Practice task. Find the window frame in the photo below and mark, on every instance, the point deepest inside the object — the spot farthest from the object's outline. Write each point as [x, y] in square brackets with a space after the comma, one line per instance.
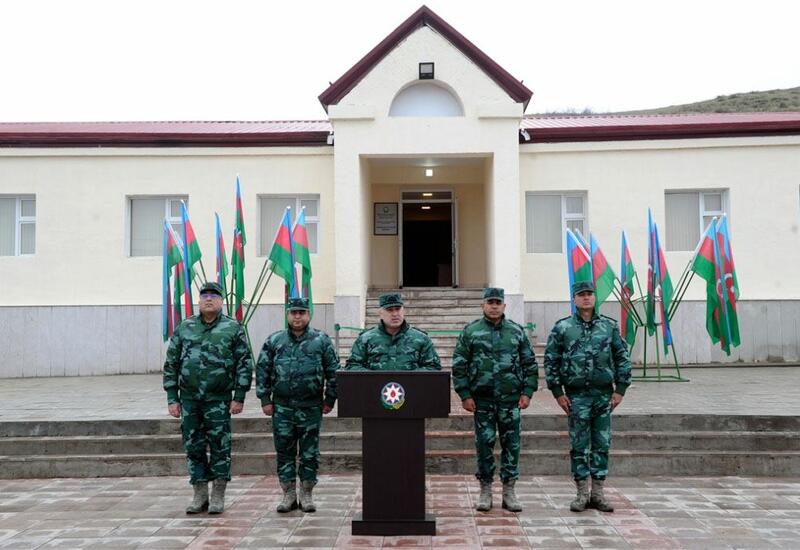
[168, 199]
[298, 198]
[702, 213]
[565, 217]
[19, 221]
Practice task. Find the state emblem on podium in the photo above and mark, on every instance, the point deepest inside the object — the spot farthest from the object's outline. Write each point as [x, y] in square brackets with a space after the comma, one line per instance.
[393, 396]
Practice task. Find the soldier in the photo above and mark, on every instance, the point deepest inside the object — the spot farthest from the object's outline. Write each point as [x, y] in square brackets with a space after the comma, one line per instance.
[393, 344]
[495, 374]
[207, 359]
[588, 370]
[293, 369]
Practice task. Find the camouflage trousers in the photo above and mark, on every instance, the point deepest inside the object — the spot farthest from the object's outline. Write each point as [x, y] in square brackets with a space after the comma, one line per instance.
[206, 425]
[590, 433]
[296, 431]
[492, 418]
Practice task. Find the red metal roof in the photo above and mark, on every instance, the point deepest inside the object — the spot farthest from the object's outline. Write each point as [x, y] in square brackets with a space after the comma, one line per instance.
[543, 128]
[425, 17]
[539, 128]
[164, 134]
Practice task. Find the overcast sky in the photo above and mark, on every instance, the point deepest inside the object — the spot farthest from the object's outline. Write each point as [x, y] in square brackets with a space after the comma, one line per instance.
[263, 60]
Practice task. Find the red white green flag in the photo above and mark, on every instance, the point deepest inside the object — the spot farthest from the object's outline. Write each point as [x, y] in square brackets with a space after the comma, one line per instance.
[579, 264]
[240, 214]
[303, 257]
[191, 255]
[626, 274]
[729, 285]
[222, 260]
[602, 274]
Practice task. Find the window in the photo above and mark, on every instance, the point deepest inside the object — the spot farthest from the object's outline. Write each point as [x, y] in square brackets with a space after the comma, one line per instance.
[147, 223]
[17, 225]
[547, 216]
[272, 208]
[688, 213]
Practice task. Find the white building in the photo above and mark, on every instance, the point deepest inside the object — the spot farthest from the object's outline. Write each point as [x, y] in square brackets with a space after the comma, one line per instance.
[424, 119]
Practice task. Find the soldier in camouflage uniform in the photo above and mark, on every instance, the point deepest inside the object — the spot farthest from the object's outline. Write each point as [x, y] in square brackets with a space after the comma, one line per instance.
[393, 344]
[207, 359]
[588, 370]
[293, 369]
[495, 374]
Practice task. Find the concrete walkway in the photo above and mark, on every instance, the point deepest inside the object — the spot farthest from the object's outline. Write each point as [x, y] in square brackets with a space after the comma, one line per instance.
[651, 513]
[733, 390]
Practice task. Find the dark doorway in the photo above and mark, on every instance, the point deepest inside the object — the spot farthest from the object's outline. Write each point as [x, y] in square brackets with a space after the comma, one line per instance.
[427, 244]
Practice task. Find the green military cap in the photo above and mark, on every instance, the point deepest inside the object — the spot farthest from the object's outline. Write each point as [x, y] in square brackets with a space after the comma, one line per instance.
[494, 293]
[211, 288]
[390, 300]
[582, 286]
[297, 304]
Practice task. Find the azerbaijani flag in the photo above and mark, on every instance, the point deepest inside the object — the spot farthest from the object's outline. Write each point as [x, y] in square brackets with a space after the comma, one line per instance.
[664, 284]
[222, 261]
[170, 313]
[179, 289]
[602, 274]
[704, 265]
[626, 272]
[191, 255]
[650, 304]
[727, 285]
[240, 214]
[303, 256]
[579, 264]
[237, 263]
[282, 255]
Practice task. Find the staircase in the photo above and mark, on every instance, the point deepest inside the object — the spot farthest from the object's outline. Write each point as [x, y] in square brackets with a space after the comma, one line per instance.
[677, 444]
[441, 312]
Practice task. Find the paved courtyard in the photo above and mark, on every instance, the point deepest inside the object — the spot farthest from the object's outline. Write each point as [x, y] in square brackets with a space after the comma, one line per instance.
[652, 513]
[731, 390]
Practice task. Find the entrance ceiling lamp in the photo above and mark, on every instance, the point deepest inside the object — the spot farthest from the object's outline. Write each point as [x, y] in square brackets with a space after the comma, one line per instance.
[428, 174]
[426, 207]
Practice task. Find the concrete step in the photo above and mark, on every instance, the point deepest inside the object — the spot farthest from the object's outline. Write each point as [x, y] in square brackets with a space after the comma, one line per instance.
[532, 462]
[262, 442]
[410, 293]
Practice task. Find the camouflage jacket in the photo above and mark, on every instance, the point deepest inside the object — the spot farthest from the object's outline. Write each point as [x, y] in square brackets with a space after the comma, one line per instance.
[294, 371]
[208, 361]
[409, 349]
[582, 355]
[494, 362]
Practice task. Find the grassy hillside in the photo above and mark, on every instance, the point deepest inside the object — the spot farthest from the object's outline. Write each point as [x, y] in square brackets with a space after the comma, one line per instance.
[771, 100]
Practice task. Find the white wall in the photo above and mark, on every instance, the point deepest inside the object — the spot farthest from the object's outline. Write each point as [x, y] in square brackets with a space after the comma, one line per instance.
[82, 216]
[623, 179]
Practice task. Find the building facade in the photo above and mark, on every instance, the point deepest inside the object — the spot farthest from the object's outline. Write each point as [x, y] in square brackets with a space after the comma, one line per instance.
[426, 173]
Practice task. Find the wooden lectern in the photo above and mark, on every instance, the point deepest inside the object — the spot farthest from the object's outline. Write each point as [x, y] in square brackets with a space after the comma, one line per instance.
[393, 406]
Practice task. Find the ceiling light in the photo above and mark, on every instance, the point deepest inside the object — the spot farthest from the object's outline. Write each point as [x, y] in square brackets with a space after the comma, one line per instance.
[426, 71]
[427, 194]
[429, 172]
[426, 207]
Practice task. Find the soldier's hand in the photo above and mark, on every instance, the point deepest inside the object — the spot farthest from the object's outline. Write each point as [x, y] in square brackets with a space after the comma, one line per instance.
[267, 409]
[174, 409]
[616, 399]
[524, 401]
[564, 403]
[236, 407]
[468, 404]
[326, 409]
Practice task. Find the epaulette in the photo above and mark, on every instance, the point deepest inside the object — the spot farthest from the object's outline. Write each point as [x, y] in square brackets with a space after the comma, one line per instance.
[473, 322]
[419, 330]
[564, 319]
[606, 317]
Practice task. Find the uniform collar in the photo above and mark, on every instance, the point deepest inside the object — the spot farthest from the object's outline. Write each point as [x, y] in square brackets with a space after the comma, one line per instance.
[499, 325]
[302, 336]
[213, 322]
[403, 328]
[595, 317]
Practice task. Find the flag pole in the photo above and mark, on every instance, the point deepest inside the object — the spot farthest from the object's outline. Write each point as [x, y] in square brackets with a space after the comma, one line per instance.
[248, 314]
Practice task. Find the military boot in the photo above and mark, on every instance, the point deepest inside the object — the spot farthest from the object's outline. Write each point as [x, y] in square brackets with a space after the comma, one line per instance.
[306, 502]
[200, 500]
[289, 501]
[598, 499]
[510, 501]
[485, 498]
[217, 504]
[582, 499]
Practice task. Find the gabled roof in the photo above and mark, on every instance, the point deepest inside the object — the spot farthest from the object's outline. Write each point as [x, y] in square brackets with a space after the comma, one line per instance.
[165, 134]
[543, 128]
[425, 17]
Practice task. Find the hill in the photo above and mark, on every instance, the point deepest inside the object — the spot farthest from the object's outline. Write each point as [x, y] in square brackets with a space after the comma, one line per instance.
[749, 102]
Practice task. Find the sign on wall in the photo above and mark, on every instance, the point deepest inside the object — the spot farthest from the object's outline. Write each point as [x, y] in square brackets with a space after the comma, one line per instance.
[385, 222]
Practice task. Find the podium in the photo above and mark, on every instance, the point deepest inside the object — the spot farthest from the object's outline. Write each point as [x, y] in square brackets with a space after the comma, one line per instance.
[393, 406]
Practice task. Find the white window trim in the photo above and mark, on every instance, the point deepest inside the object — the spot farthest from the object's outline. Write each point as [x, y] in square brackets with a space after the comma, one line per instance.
[19, 221]
[297, 205]
[167, 215]
[583, 195]
[702, 212]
